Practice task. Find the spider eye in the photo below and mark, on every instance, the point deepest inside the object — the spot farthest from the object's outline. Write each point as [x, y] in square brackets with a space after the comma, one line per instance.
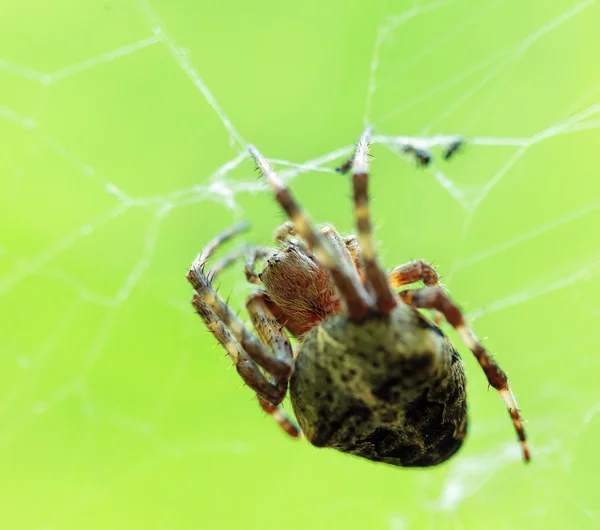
[260, 276]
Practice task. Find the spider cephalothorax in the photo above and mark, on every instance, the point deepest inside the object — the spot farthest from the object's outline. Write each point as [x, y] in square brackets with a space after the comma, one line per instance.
[299, 286]
[371, 375]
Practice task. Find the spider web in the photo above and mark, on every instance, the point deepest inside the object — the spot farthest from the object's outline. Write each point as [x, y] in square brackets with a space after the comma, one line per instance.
[123, 151]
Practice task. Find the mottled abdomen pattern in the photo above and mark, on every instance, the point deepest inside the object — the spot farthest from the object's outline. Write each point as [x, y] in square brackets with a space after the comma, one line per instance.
[390, 389]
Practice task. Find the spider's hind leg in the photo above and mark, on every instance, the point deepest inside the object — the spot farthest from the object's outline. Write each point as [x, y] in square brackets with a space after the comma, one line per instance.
[436, 298]
[346, 279]
[281, 417]
[375, 275]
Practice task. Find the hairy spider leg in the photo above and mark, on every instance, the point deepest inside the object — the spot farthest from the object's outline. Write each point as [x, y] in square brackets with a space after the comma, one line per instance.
[436, 298]
[281, 417]
[246, 368]
[266, 388]
[218, 267]
[271, 333]
[385, 300]
[284, 232]
[356, 255]
[269, 330]
[218, 240]
[253, 256]
[258, 352]
[346, 278]
[414, 271]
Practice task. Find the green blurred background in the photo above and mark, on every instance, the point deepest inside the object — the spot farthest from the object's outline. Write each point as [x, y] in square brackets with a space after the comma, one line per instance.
[116, 166]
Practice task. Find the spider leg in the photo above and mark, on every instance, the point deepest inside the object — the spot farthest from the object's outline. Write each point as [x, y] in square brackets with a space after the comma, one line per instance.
[246, 368]
[280, 416]
[356, 255]
[271, 333]
[414, 271]
[227, 260]
[255, 349]
[270, 390]
[375, 275]
[269, 329]
[254, 255]
[436, 298]
[266, 388]
[346, 279]
[284, 232]
[218, 240]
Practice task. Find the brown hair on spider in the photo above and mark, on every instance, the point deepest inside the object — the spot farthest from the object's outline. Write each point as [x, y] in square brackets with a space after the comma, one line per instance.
[298, 284]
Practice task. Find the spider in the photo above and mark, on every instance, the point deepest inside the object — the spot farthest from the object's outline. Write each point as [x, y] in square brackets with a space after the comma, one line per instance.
[371, 375]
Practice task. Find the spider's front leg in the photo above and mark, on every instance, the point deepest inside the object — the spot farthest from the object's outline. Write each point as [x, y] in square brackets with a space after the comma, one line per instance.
[280, 367]
[436, 298]
[246, 352]
[267, 388]
[270, 387]
[247, 369]
[356, 255]
[271, 333]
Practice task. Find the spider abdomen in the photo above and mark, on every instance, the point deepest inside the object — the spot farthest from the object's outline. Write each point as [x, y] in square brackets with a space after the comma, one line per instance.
[390, 389]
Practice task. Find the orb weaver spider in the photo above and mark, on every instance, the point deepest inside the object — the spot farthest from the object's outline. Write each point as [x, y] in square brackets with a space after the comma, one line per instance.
[371, 375]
